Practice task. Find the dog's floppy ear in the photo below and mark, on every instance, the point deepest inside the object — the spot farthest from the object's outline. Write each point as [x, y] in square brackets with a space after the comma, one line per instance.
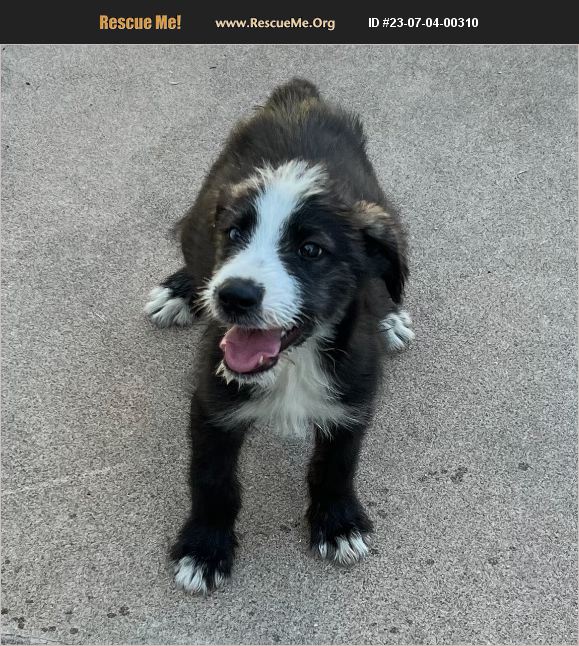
[385, 245]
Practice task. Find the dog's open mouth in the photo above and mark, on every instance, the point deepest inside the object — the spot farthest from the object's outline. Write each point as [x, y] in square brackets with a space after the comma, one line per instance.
[248, 350]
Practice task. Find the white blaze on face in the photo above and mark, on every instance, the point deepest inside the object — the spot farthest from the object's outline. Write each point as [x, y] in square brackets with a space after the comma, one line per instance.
[280, 193]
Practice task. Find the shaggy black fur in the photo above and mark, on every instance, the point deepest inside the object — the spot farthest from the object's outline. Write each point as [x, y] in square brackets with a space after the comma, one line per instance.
[351, 287]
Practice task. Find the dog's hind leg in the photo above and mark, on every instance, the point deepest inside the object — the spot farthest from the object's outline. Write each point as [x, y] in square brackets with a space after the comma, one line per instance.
[171, 302]
[397, 330]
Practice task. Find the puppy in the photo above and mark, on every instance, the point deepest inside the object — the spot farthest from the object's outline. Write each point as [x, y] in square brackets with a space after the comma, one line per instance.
[298, 261]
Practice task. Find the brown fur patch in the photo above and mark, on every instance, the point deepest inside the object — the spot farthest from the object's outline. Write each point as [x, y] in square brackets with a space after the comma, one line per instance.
[373, 211]
[242, 188]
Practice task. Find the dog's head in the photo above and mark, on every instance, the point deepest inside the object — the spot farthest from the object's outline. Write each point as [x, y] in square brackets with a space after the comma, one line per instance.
[291, 257]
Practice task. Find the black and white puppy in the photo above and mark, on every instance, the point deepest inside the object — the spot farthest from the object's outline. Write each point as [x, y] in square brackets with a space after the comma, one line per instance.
[299, 262]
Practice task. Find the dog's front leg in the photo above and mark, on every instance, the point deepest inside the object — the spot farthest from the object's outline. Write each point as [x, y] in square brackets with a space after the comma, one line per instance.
[338, 523]
[203, 553]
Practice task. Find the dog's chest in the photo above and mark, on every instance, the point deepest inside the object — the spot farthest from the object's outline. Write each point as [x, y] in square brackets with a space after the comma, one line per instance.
[301, 396]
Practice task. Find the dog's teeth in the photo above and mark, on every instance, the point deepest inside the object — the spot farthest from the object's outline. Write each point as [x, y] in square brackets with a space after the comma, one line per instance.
[260, 360]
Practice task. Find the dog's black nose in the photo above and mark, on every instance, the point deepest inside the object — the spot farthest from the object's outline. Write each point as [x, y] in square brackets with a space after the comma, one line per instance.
[240, 295]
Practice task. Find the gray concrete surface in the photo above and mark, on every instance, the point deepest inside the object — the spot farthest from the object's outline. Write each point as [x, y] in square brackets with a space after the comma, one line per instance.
[470, 468]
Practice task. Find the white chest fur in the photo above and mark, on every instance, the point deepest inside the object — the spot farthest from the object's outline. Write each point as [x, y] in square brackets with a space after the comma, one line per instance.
[301, 396]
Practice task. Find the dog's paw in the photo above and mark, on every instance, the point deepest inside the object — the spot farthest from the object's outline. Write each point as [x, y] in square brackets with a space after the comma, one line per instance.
[164, 308]
[339, 531]
[397, 330]
[202, 558]
[198, 577]
[345, 550]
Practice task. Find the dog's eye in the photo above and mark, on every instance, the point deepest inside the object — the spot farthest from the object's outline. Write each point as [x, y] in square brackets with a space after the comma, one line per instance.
[310, 250]
[235, 234]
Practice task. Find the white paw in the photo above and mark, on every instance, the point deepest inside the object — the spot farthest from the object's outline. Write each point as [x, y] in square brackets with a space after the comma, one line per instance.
[345, 550]
[397, 330]
[192, 577]
[164, 309]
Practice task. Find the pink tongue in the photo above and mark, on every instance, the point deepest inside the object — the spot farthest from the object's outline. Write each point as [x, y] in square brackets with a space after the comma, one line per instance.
[244, 348]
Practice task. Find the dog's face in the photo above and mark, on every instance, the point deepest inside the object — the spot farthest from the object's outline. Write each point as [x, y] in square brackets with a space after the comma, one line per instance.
[290, 259]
